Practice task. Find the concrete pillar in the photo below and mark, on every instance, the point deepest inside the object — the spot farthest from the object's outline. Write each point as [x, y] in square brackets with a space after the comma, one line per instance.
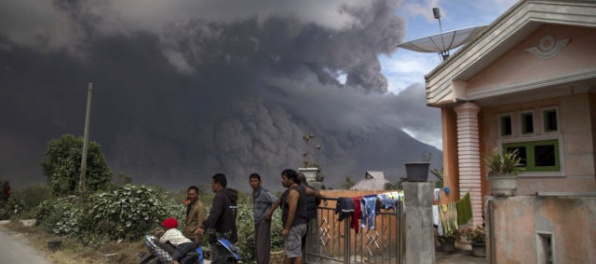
[468, 153]
[420, 245]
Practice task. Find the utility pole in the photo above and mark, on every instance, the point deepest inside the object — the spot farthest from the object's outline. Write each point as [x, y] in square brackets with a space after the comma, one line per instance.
[85, 141]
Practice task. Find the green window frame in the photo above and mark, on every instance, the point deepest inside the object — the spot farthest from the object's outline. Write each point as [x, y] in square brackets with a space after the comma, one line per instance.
[505, 125]
[542, 155]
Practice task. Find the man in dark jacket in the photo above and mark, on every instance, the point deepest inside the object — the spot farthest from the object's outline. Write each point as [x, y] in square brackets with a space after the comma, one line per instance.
[222, 216]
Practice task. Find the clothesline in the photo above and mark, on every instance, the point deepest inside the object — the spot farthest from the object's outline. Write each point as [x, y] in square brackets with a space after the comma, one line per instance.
[448, 217]
[364, 209]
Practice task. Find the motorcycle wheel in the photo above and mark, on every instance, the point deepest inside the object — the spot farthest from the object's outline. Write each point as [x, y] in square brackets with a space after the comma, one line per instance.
[149, 260]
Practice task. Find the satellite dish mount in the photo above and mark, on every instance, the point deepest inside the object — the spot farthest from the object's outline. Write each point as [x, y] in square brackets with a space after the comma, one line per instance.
[437, 14]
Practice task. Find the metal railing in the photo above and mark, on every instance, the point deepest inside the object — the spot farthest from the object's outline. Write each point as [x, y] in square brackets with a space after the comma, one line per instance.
[333, 241]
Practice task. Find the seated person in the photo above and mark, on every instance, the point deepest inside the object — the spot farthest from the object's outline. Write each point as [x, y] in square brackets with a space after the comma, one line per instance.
[177, 239]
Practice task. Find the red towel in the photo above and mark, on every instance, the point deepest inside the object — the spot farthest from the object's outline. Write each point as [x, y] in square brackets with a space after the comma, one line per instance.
[356, 215]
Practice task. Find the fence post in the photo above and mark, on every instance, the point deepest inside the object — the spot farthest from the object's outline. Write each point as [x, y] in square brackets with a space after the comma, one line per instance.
[399, 216]
[347, 239]
[420, 247]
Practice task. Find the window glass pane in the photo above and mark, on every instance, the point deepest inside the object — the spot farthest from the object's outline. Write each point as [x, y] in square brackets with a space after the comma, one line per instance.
[550, 120]
[544, 155]
[505, 125]
[521, 150]
[527, 120]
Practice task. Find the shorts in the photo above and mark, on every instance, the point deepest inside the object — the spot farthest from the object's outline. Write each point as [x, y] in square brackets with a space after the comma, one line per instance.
[293, 243]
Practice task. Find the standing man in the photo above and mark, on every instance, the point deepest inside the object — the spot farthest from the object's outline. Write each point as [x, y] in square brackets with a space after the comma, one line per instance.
[262, 200]
[293, 216]
[222, 216]
[195, 214]
[312, 204]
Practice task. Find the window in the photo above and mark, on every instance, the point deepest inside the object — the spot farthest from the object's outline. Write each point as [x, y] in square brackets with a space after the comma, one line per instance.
[505, 125]
[527, 123]
[544, 247]
[550, 121]
[540, 155]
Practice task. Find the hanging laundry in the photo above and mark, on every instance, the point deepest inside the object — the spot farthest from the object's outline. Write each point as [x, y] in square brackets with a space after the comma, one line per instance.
[368, 204]
[395, 195]
[464, 210]
[356, 215]
[448, 214]
[386, 201]
[436, 195]
[344, 207]
[437, 220]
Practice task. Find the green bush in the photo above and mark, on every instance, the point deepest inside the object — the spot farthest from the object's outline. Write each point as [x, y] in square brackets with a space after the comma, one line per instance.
[33, 195]
[126, 213]
[129, 212]
[132, 211]
[14, 208]
[246, 230]
[60, 216]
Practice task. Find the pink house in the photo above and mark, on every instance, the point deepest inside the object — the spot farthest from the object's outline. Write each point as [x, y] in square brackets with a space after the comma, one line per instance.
[529, 83]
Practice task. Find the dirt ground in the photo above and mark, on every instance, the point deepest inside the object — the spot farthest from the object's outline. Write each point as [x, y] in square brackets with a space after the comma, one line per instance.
[460, 256]
[71, 252]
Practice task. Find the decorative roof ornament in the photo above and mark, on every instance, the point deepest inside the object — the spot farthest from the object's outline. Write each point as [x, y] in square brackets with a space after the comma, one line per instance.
[548, 48]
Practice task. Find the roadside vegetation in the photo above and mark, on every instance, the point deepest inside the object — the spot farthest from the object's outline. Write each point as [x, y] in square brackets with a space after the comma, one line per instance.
[107, 223]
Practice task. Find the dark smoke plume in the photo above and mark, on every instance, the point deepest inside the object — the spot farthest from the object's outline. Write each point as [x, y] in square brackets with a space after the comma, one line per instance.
[185, 89]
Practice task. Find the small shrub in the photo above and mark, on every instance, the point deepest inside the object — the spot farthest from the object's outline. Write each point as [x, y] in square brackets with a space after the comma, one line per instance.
[12, 209]
[246, 230]
[129, 212]
[60, 216]
[32, 196]
[475, 236]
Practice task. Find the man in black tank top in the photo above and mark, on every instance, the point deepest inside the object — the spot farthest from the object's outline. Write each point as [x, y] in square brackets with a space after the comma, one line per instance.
[294, 215]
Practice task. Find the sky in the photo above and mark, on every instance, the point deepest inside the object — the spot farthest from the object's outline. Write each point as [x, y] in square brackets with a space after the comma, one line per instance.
[186, 87]
[404, 68]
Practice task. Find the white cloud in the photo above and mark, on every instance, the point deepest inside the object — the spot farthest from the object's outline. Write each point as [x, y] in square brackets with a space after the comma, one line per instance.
[178, 61]
[406, 68]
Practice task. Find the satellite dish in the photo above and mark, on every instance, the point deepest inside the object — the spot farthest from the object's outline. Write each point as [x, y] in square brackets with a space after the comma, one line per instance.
[445, 41]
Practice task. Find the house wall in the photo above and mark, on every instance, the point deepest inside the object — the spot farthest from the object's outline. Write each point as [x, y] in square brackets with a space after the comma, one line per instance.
[592, 100]
[569, 220]
[576, 142]
[450, 160]
[519, 66]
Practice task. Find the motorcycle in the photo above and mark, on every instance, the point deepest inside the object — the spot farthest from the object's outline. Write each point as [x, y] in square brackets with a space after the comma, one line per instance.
[160, 248]
[227, 253]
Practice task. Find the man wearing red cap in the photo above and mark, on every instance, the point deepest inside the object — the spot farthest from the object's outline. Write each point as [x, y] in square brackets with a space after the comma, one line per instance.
[177, 239]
